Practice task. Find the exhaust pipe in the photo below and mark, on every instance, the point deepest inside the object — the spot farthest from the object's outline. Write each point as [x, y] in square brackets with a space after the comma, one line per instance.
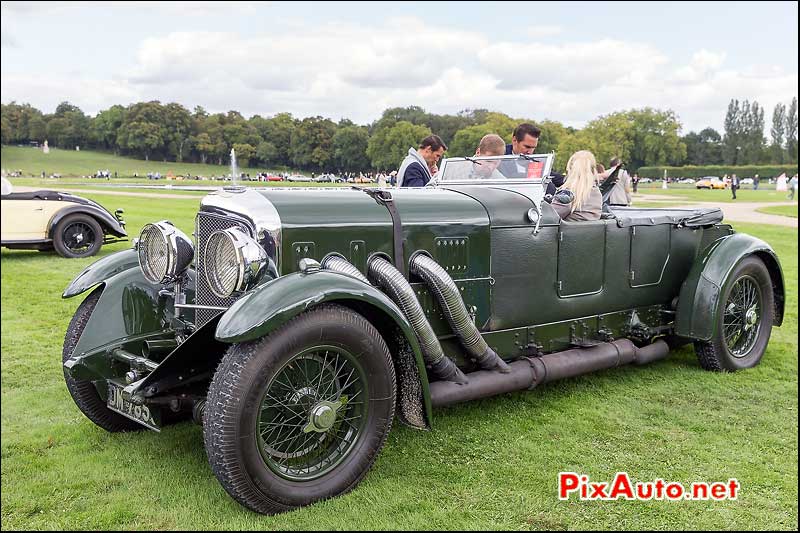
[337, 263]
[447, 294]
[386, 276]
[529, 372]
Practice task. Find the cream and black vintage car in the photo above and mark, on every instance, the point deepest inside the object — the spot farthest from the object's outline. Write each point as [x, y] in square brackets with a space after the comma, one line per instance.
[46, 220]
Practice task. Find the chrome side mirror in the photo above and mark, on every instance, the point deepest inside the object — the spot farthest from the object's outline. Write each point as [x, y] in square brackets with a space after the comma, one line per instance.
[535, 217]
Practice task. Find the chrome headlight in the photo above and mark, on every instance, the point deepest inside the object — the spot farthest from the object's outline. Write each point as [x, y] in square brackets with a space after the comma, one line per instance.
[233, 262]
[164, 252]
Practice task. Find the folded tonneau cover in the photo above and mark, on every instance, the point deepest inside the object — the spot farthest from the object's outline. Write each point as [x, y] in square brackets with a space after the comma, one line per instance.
[700, 216]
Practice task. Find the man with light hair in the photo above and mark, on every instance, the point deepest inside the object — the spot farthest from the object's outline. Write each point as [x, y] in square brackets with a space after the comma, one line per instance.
[490, 145]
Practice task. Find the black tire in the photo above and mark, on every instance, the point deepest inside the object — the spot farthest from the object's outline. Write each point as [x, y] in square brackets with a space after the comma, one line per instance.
[746, 303]
[83, 392]
[77, 235]
[244, 459]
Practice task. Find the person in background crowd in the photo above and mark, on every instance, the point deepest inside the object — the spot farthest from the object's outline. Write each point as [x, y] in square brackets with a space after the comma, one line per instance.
[621, 191]
[415, 170]
[734, 185]
[635, 182]
[600, 169]
[579, 198]
[792, 187]
[755, 182]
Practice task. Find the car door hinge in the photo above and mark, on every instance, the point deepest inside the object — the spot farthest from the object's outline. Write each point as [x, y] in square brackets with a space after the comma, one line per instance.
[558, 284]
[633, 275]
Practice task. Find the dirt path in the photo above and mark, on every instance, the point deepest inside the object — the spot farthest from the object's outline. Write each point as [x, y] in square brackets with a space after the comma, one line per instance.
[739, 212]
[116, 193]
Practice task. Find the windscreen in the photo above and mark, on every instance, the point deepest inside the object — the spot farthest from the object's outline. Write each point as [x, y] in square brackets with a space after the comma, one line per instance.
[512, 167]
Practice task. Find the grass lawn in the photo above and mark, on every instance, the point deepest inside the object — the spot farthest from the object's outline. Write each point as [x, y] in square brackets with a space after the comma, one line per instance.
[718, 195]
[785, 210]
[490, 464]
[70, 163]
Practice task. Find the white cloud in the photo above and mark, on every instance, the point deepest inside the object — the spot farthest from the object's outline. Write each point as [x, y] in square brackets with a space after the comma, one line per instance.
[344, 70]
[540, 32]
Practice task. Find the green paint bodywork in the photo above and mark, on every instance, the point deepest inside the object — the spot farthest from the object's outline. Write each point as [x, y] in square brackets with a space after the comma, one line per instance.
[101, 270]
[276, 302]
[529, 293]
[697, 316]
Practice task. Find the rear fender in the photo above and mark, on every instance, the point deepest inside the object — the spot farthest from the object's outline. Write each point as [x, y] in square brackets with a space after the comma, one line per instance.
[104, 218]
[698, 303]
[274, 303]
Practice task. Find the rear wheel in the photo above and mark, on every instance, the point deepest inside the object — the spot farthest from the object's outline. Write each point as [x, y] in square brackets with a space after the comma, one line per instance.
[744, 320]
[77, 235]
[83, 391]
[300, 415]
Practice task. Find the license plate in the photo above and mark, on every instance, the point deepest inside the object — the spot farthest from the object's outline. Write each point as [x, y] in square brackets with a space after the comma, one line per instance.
[140, 413]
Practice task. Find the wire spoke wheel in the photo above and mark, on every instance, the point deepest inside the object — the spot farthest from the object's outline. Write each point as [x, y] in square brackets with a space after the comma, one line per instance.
[743, 321]
[742, 316]
[312, 413]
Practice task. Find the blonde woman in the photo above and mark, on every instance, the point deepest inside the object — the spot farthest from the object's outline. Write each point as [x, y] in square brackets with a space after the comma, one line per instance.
[579, 198]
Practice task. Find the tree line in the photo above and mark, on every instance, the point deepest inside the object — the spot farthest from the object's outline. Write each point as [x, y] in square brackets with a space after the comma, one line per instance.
[170, 132]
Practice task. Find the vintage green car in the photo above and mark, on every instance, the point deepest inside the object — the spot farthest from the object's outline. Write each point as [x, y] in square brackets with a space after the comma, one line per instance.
[302, 321]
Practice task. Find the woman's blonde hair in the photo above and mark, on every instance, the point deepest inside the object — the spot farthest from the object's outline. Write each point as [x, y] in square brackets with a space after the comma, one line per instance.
[581, 177]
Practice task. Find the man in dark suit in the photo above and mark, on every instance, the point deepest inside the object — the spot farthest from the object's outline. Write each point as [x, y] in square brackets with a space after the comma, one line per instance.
[415, 168]
[524, 140]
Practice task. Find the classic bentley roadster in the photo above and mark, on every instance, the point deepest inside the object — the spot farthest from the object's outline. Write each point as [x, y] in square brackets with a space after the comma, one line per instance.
[300, 322]
[46, 220]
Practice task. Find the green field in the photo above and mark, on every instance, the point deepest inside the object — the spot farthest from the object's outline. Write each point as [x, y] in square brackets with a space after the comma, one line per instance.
[68, 163]
[490, 464]
[784, 210]
[718, 195]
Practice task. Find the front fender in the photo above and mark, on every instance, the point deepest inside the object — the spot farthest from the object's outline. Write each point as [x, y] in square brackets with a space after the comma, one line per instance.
[276, 302]
[696, 315]
[101, 270]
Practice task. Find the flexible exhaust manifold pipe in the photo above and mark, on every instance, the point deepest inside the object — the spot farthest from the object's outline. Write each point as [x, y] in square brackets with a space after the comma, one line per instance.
[387, 277]
[337, 263]
[451, 302]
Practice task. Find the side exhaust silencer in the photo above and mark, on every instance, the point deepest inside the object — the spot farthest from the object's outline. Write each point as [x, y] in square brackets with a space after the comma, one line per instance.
[529, 372]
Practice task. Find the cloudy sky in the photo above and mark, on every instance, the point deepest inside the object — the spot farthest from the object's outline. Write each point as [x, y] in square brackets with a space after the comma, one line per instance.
[569, 61]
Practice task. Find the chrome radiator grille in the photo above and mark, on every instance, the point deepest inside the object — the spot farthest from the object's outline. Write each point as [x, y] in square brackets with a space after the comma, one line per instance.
[205, 225]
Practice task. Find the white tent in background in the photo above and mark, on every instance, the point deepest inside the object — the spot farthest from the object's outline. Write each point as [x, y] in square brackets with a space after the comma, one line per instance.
[780, 184]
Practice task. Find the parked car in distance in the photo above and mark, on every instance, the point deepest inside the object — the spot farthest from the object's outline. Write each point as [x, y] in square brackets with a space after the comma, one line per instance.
[688, 181]
[711, 182]
[274, 177]
[299, 177]
[362, 179]
[44, 220]
[302, 321]
[645, 180]
[747, 181]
